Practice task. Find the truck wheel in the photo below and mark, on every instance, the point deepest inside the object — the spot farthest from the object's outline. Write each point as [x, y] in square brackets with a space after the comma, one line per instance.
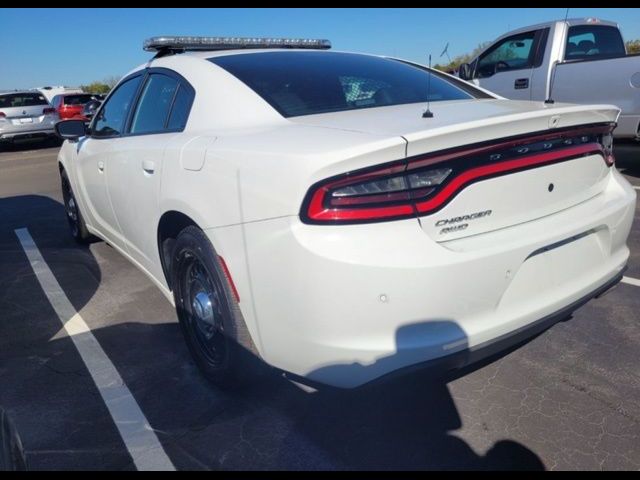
[76, 223]
[209, 315]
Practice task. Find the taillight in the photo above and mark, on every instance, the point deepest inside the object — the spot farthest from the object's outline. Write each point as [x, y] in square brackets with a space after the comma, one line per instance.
[49, 111]
[422, 185]
[3, 115]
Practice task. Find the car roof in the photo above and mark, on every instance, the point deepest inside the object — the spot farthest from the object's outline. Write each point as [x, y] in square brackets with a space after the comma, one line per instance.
[206, 54]
[21, 92]
[572, 22]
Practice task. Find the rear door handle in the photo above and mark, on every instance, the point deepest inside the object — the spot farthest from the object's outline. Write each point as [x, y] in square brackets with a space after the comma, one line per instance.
[148, 166]
[101, 166]
[521, 83]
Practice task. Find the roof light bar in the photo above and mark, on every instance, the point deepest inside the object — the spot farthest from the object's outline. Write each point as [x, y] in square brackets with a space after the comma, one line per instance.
[157, 44]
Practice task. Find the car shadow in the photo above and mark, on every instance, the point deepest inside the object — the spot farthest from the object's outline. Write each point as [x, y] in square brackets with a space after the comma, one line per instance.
[409, 422]
[26, 145]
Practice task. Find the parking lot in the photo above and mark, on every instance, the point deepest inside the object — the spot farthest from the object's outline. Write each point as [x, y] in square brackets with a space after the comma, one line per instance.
[568, 399]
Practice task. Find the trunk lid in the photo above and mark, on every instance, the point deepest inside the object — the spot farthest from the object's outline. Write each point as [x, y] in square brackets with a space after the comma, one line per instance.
[562, 165]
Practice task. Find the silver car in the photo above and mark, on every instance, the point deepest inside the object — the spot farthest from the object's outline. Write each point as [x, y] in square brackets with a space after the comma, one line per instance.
[26, 115]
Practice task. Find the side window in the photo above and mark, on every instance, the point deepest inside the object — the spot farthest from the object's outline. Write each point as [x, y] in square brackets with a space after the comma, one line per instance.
[113, 114]
[593, 41]
[55, 101]
[154, 105]
[181, 108]
[512, 53]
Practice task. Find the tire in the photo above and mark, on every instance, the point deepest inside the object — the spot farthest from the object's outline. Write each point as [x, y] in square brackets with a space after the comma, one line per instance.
[209, 315]
[72, 211]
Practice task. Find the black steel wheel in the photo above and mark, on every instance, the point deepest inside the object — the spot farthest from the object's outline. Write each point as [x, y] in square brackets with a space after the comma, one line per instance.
[209, 315]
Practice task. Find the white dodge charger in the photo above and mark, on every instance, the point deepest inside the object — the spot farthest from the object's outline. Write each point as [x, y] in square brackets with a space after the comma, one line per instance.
[341, 216]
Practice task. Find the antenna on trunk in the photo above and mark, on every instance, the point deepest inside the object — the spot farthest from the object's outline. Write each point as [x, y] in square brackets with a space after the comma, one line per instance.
[428, 113]
[550, 100]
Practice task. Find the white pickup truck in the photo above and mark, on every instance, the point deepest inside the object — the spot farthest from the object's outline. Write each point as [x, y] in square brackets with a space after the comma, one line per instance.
[575, 61]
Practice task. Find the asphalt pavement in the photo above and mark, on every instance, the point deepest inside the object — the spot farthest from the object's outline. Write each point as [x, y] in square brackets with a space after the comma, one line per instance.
[568, 399]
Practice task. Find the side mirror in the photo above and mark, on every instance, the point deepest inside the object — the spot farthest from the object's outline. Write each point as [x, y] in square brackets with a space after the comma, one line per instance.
[71, 129]
[464, 71]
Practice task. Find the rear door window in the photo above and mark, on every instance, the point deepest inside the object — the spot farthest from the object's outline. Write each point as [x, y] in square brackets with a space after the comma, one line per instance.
[155, 103]
[181, 108]
[593, 41]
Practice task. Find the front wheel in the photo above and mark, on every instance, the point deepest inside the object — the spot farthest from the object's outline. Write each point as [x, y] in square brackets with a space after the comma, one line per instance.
[209, 315]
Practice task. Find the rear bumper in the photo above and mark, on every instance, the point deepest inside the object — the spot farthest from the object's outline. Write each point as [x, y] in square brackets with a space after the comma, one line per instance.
[27, 134]
[344, 305]
[440, 366]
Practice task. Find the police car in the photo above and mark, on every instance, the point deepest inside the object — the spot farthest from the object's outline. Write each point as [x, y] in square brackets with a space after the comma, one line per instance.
[343, 217]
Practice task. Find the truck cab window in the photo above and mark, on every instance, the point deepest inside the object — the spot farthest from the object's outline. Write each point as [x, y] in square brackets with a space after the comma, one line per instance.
[512, 53]
[593, 41]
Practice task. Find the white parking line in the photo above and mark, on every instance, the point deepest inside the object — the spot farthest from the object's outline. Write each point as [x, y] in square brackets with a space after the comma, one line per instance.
[138, 436]
[636, 187]
[631, 281]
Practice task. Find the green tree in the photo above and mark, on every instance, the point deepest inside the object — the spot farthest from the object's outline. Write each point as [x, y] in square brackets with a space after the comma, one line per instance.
[633, 46]
[460, 59]
[104, 86]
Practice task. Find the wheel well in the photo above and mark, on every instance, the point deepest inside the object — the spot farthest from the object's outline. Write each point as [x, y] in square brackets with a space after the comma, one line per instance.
[170, 225]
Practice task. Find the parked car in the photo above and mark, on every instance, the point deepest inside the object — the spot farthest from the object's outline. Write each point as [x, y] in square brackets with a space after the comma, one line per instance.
[26, 115]
[578, 60]
[70, 105]
[49, 92]
[312, 208]
[90, 108]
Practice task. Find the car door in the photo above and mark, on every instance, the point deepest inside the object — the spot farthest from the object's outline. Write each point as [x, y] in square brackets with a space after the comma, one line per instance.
[92, 164]
[507, 66]
[136, 162]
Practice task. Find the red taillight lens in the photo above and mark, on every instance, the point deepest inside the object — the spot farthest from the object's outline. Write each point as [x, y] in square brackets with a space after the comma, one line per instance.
[3, 115]
[49, 111]
[424, 184]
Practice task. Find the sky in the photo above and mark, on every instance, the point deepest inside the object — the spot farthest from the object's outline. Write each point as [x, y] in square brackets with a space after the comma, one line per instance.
[77, 46]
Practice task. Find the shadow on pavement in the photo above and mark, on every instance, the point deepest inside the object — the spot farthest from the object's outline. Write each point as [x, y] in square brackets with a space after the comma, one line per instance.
[44, 385]
[406, 423]
[25, 145]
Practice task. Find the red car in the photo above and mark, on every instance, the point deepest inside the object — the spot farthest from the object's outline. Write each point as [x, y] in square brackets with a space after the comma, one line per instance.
[70, 105]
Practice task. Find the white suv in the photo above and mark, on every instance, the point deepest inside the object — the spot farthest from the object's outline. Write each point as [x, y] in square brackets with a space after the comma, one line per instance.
[343, 216]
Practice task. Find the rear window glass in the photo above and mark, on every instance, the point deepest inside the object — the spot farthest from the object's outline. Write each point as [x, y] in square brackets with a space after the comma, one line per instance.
[22, 100]
[307, 83]
[77, 99]
[180, 109]
[593, 41]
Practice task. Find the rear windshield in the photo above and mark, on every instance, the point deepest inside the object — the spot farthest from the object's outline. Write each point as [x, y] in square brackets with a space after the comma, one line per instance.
[306, 83]
[22, 100]
[593, 41]
[77, 99]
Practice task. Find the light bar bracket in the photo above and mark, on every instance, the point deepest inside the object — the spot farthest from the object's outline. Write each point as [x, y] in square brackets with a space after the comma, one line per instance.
[173, 44]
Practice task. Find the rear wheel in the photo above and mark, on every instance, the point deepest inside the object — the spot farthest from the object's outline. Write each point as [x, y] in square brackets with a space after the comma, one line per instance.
[76, 223]
[209, 315]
